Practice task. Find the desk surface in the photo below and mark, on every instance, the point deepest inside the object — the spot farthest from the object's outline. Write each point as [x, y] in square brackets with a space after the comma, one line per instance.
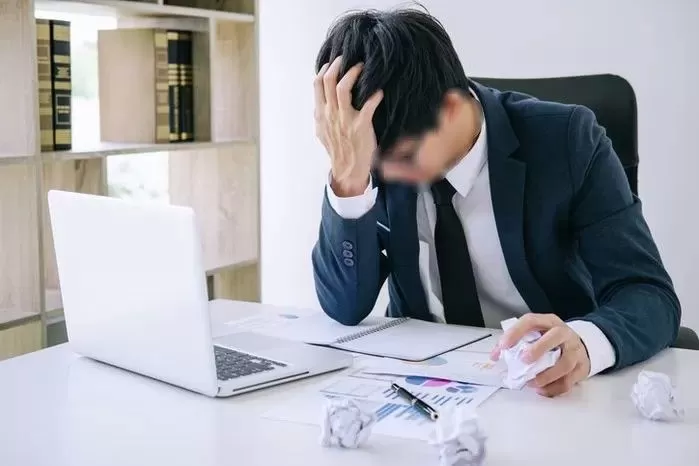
[60, 409]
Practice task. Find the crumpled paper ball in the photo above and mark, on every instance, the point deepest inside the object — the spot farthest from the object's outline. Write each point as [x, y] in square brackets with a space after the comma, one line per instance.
[518, 372]
[345, 423]
[459, 439]
[654, 396]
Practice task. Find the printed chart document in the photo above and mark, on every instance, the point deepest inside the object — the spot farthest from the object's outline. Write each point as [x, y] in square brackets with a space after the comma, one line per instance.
[457, 366]
[400, 338]
[395, 417]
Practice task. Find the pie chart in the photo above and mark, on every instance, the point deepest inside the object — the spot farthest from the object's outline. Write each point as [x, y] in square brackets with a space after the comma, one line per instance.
[451, 387]
[426, 381]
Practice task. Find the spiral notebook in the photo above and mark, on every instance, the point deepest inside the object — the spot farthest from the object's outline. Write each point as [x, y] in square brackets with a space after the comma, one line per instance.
[393, 337]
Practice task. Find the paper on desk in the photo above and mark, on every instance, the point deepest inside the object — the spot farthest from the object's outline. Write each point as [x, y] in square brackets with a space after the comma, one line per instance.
[394, 416]
[459, 366]
[518, 372]
[485, 345]
[316, 328]
[268, 322]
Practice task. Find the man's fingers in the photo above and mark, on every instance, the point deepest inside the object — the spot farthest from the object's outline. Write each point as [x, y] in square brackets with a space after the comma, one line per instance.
[564, 384]
[564, 366]
[524, 325]
[367, 111]
[318, 90]
[557, 388]
[495, 353]
[330, 83]
[553, 338]
[344, 88]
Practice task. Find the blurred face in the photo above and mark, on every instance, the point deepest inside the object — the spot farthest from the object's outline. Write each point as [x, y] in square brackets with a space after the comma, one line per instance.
[427, 158]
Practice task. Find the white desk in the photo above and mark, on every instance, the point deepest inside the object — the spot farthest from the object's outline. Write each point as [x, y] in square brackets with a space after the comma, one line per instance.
[62, 410]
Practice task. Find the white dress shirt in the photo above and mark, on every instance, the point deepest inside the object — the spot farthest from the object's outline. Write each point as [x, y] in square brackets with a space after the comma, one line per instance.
[497, 293]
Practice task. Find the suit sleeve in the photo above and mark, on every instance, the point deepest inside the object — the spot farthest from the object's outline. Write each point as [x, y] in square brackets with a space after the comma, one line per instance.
[349, 268]
[637, 308]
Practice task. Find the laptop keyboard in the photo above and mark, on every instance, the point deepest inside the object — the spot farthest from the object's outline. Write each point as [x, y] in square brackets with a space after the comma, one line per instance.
[231, 364]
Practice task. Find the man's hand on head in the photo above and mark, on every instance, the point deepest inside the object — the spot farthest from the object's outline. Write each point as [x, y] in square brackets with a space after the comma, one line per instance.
[572, 367]
[346, 133]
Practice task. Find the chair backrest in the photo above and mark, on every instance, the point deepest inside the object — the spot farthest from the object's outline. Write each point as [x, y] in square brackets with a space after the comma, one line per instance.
[610, 97]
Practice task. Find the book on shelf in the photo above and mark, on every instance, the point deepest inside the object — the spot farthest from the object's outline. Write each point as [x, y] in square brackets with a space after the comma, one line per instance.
[185, 85]
[180, 79]
[54, 84]
[158, 66]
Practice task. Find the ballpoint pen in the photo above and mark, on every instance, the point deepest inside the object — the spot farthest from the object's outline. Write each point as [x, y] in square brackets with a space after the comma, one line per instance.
[415, 401]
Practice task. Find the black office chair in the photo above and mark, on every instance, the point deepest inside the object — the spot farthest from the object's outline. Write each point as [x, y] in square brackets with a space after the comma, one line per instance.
[613, 101]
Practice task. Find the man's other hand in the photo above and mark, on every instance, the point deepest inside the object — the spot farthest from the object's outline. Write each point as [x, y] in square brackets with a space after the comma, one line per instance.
[572, 367]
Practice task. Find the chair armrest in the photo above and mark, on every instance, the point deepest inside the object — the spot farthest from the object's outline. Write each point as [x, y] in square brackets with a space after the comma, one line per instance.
[686, 339]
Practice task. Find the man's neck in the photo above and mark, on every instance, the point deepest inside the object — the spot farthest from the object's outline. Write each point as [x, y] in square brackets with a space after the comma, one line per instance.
[473, 118]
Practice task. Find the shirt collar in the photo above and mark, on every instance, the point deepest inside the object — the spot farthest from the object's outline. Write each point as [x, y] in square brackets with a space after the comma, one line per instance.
[464, 174]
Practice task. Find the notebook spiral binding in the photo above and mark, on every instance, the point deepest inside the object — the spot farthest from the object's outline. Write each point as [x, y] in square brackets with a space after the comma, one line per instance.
[358, 335]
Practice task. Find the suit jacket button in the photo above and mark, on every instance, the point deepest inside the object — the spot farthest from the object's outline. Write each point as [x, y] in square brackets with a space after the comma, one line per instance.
[347, 253]
[349, 262]
[347, 245]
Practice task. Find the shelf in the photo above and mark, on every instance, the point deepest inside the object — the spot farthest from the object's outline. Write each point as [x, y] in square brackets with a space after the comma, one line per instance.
[164, 22]
[217, 174]
[239, 6]
[11, 318]
[107, 149]
[121, 7]
[15, 160]
[214, 269]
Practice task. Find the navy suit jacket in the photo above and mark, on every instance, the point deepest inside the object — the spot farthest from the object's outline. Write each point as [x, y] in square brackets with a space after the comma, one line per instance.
[572, 232]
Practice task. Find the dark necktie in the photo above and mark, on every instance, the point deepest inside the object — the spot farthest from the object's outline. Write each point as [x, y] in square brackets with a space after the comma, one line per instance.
[459, 295]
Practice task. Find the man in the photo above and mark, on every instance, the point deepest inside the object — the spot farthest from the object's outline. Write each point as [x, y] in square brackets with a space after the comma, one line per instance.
[478, 205]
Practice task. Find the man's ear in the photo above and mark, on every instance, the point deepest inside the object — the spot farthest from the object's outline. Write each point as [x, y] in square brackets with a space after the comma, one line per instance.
[451, 104]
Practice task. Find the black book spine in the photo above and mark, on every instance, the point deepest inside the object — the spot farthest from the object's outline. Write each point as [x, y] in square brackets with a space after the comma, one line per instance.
[173, 84]
[186, 87]
[61, 85]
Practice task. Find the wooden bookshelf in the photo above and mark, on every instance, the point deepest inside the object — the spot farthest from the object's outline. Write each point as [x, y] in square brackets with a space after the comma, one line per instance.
[217, 174]
[105, 149]
[152, 8]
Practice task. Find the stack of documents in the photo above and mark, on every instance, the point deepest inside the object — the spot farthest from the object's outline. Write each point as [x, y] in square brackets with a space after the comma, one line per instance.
[394, 415]
[458, 379]
[430, 361]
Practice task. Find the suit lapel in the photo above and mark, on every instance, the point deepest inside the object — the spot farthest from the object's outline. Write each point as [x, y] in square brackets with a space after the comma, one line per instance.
[507, 188]
[404, 248]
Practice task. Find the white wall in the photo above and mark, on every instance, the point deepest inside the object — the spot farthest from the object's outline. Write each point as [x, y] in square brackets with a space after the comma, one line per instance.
[654, 44]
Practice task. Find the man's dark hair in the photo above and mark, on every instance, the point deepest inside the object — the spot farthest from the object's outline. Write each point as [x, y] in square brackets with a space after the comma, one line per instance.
[408, 54]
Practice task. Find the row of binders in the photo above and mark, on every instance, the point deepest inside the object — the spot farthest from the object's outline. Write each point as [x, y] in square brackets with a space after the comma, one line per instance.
[163, 56]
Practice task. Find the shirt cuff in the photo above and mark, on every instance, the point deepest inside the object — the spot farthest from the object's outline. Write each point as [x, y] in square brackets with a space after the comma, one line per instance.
[599, 349]
[352, 207]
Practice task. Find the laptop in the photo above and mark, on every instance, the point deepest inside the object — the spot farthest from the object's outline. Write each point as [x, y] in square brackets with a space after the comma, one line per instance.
[134, 296]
